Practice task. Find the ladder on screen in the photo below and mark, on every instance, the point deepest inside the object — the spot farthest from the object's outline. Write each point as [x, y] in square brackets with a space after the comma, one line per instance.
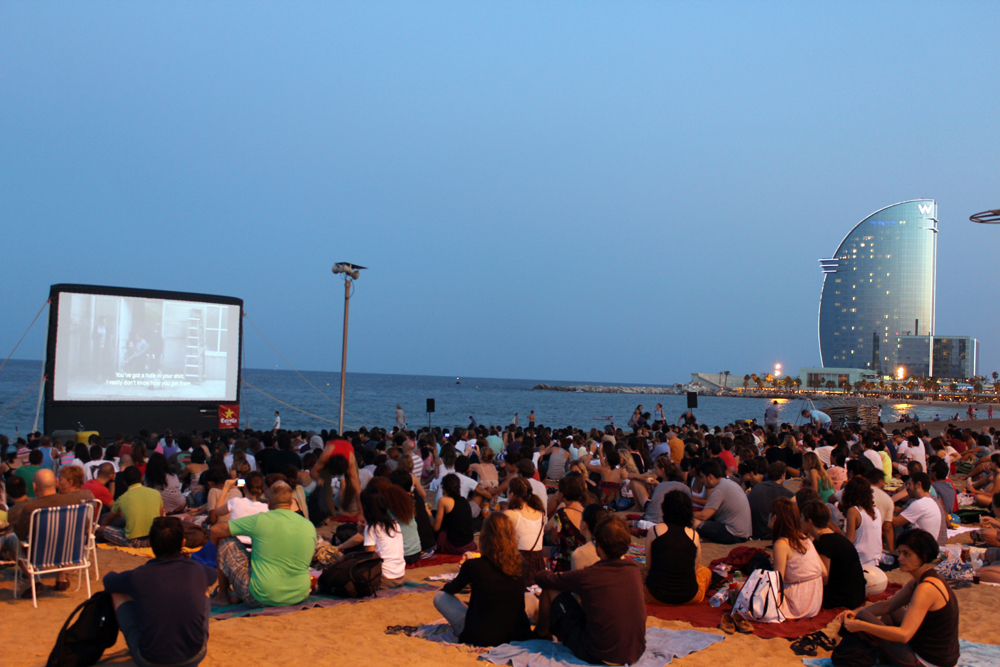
[194, 359]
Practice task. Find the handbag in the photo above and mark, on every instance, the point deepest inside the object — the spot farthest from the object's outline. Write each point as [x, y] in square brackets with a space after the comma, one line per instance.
[761, 597]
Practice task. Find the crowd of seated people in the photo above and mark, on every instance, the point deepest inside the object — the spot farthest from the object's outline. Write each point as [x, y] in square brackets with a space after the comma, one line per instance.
[544, 500]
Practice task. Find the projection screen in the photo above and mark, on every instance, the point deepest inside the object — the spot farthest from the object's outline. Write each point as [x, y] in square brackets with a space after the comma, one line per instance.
[113, 347]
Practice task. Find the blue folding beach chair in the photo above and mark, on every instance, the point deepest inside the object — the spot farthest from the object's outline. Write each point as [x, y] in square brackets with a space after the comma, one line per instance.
[58, 541]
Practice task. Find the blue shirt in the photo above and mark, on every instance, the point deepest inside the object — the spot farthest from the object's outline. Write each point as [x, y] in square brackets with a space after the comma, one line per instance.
[820, 417]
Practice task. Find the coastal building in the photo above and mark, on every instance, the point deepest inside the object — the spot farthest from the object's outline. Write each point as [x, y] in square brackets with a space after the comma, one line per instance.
[879, 285]
[816, 378]
[955, 357]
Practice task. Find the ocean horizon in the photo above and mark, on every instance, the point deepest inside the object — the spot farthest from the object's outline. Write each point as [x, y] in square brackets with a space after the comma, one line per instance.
[371, 399]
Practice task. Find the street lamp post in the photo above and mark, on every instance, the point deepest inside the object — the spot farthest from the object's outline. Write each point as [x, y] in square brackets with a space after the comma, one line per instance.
[350, 273]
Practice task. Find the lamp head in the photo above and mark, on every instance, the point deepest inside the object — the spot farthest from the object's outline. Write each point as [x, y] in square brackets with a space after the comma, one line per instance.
[348, 269]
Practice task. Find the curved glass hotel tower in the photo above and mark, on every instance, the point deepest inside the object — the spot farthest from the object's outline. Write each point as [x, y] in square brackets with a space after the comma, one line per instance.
[879, 285]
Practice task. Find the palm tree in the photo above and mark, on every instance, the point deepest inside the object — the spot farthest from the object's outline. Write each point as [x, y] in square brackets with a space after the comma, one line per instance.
[953, 387]
[726, 384]
[996, 376]
[830, 384]
[978, 387]
[746, 381]
[797, 382]
[769, 379]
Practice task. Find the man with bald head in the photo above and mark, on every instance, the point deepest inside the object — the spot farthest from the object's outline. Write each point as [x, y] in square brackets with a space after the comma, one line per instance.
[283, 543]
[46, 488]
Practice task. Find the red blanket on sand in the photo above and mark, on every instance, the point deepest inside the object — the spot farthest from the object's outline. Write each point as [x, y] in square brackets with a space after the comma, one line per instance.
[436, 559]
[704, 616]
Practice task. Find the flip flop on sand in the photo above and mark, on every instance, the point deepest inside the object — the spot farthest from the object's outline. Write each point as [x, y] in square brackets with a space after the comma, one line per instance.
[742, 623]
[727, 624]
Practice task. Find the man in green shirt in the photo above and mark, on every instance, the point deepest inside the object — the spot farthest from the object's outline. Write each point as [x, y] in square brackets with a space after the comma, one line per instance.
[283, 546]
[139, 505]
[27, 473]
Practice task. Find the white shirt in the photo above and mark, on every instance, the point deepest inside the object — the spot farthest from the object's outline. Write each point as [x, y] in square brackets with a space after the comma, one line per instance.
[539, 490]
[277, 422]
[873, 456]
[251, 459]
[924, 514]
[389, 548]
[242, 507]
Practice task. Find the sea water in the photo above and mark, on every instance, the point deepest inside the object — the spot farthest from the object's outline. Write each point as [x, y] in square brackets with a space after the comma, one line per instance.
[371, 399]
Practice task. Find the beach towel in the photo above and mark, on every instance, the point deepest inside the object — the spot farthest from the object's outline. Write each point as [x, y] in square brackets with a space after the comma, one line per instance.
[436, 559]
[703, 616]
[662, 646]
[441, 632]
[972, 655]
[315, 600]
[145, 552]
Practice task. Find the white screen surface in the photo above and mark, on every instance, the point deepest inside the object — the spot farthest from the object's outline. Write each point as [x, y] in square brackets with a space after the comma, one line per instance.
[124, 348]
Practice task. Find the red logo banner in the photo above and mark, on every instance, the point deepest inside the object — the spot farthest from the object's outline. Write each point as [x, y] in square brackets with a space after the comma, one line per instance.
[229, 416]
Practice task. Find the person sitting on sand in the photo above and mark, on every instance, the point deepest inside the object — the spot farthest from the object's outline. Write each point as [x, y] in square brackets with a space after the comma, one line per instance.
[586, 555]
[797, 563]
[612, 475]
[565, 526]
[673, 550]
[161, 606]
[843, 578]
[283, 547]
[382, 533]
[527, 514]
[606, 623]
[139, 505]
[725, 518]
[496, 613]
[453, 521]
[989, 486]
[919, 624]
[670, 479]
[864, 529]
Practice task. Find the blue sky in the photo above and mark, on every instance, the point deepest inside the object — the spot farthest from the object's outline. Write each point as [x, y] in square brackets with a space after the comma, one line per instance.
[621, 192]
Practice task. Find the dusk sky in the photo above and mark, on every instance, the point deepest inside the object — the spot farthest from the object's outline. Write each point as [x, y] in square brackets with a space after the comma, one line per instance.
[616, 192]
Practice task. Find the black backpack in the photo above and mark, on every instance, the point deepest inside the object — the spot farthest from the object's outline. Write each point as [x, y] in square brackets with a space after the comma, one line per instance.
[356, 575]
[84, 642]
[854, 651]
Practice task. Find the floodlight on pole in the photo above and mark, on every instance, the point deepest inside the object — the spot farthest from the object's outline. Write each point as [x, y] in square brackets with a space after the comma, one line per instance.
[350, 273]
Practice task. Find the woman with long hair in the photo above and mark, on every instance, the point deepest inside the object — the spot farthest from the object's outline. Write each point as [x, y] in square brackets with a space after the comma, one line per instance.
[527, 513]
[566, 524]
[863, 527]
[673, 549]
[453, 521]
[402, 509]
[816, 476]
[796, 560]
[139, 456]
[338, 461]
[496, 611]
[381, 535]
[158, 476]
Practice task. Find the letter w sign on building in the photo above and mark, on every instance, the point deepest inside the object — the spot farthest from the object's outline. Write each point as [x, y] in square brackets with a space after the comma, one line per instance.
[229, 416]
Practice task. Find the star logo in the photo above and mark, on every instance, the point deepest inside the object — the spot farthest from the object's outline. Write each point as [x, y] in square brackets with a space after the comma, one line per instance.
[228, 414]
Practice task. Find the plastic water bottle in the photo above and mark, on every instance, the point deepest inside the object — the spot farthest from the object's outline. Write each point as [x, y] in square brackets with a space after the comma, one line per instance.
[720, 597]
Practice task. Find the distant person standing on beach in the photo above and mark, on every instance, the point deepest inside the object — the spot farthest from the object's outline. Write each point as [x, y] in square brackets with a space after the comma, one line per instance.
[531, 419]
[658, 415]
[400, 417]
[771, 416]
[516, 416]
[277, 422]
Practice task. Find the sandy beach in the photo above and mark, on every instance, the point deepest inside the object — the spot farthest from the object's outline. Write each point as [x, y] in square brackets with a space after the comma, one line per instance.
[355, 634]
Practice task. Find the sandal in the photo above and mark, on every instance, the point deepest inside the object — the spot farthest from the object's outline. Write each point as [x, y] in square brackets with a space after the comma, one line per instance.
[824, 641]
[805, 645]
[394, 629]
[727, 624]
[742, 623]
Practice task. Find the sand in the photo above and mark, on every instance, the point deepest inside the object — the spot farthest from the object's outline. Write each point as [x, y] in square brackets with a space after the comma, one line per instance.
[355, 634]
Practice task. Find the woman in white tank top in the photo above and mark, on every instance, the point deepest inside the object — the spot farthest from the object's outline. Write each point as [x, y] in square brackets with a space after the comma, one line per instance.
[864, 522]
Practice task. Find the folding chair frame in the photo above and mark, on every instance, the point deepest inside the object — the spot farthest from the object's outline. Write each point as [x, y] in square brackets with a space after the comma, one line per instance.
[31, 547]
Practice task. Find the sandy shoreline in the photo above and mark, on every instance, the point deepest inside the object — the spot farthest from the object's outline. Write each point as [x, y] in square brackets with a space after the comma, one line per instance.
[355, 634]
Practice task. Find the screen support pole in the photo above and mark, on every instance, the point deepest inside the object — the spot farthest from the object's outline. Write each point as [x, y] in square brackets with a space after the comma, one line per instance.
[343, 358]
